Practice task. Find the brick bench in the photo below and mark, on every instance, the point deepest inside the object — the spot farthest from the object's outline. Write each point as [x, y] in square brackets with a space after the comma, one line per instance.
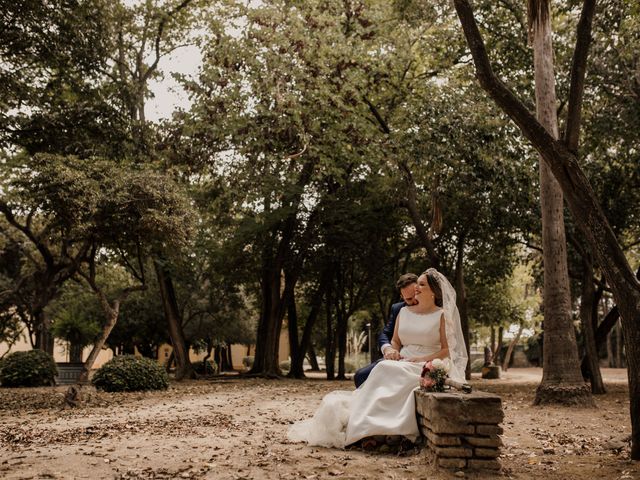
[461, 430]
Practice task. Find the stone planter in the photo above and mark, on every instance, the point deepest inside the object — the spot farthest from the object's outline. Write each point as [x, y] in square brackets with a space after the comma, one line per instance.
[68, 373]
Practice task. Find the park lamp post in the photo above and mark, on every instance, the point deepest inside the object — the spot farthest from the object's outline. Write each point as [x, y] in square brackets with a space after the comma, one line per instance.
[369, 338]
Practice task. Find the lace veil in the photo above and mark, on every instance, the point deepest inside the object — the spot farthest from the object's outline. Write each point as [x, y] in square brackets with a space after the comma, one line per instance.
[455, 338]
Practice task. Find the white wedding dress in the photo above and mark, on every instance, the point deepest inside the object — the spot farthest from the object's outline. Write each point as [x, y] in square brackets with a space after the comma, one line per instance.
[384, 404]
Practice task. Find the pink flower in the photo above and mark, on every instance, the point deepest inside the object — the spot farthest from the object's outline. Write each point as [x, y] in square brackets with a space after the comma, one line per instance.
[427, 382]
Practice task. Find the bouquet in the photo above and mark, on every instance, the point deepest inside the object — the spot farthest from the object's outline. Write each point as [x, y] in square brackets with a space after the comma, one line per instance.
[434, 375]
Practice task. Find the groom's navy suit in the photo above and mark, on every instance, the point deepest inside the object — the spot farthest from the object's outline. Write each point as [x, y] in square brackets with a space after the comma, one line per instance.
[384, 338]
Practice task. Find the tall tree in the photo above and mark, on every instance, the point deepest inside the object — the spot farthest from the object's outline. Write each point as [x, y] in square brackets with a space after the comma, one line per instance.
[581, 199]
[142, 35]
[561, 377]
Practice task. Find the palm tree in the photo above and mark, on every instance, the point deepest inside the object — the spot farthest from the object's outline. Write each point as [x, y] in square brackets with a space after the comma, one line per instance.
[562, 380]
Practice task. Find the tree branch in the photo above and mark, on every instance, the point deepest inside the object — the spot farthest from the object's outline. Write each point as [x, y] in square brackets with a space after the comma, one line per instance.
[161, 26]
[47, 256]
[578, 72]
[381, 121]
[564, 164]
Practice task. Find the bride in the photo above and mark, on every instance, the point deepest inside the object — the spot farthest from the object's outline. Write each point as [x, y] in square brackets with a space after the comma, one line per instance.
[385, 404]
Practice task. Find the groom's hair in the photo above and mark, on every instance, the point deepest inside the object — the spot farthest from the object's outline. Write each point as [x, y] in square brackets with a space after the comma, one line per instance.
[406, 280]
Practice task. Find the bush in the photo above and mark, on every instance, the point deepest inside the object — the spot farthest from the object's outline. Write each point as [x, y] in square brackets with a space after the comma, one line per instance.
[476, 365]
[208, 368]
[350, 366]
[34, 368]
[127, 373]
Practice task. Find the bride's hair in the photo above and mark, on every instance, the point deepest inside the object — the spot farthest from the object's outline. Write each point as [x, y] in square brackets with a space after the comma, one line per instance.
[434, 284]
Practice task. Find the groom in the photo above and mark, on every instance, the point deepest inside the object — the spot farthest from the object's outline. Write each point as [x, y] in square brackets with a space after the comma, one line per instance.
[407, 286]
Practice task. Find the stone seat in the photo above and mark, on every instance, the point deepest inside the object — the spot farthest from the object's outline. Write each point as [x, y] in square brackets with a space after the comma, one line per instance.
[461, 430]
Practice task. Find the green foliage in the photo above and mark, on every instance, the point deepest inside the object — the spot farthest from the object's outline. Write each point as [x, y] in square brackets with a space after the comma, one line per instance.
[33, 368]
[128, 374]
[76, 316]
[210, 367]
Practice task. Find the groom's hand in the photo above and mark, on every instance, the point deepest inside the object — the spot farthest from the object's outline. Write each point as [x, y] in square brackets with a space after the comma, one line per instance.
[391, 353]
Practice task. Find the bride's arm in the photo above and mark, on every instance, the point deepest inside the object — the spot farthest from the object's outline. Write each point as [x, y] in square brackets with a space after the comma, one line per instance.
[444, 346]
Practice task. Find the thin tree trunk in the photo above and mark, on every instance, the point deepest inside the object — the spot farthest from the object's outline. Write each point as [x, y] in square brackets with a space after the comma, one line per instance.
[562, 380]
[512, 345]
[461, 300]
[169, 362]
[586, 316]
[330, 349]
[207, 356]
[230, 358]
[44, 339]
[497, 355]
[313, 358]
[295, 351]
[297, 359]
[111, 312]
[619, 363]
[493, 341]
[341, 337]
[184, 369]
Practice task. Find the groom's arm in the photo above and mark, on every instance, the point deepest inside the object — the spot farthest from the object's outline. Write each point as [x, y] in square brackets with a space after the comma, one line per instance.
[384, 339]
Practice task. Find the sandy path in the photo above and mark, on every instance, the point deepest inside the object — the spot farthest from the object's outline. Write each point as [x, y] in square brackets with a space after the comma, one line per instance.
[236, 429]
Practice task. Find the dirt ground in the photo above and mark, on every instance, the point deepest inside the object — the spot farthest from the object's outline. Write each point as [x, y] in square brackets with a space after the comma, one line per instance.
[232, 428]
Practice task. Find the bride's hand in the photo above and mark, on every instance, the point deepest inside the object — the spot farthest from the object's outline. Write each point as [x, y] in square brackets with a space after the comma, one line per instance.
[391, 353]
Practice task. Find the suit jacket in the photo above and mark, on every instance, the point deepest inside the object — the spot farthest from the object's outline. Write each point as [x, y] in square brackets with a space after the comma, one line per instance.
[387, 332]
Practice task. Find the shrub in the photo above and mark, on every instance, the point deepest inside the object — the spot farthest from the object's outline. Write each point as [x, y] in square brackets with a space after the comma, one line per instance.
[127, 373]
[476, 365]
[33, 368]
[349, 366]
[208, 368]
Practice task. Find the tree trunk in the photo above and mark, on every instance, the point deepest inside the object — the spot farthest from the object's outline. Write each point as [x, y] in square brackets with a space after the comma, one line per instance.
[184, 369]
[512, 345]
[208, 355]
[230, 358]
[619, 347]
[44, 339]
[461, 300]
[602, 333]
[169, 362]
[266, 361]
[295, 351]
[562, 380]
[341, 338]
[586, 316]
[111, 315]
[330, 348]
[493, 341]
[313, 358]
[297, 359]
[497, 355]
